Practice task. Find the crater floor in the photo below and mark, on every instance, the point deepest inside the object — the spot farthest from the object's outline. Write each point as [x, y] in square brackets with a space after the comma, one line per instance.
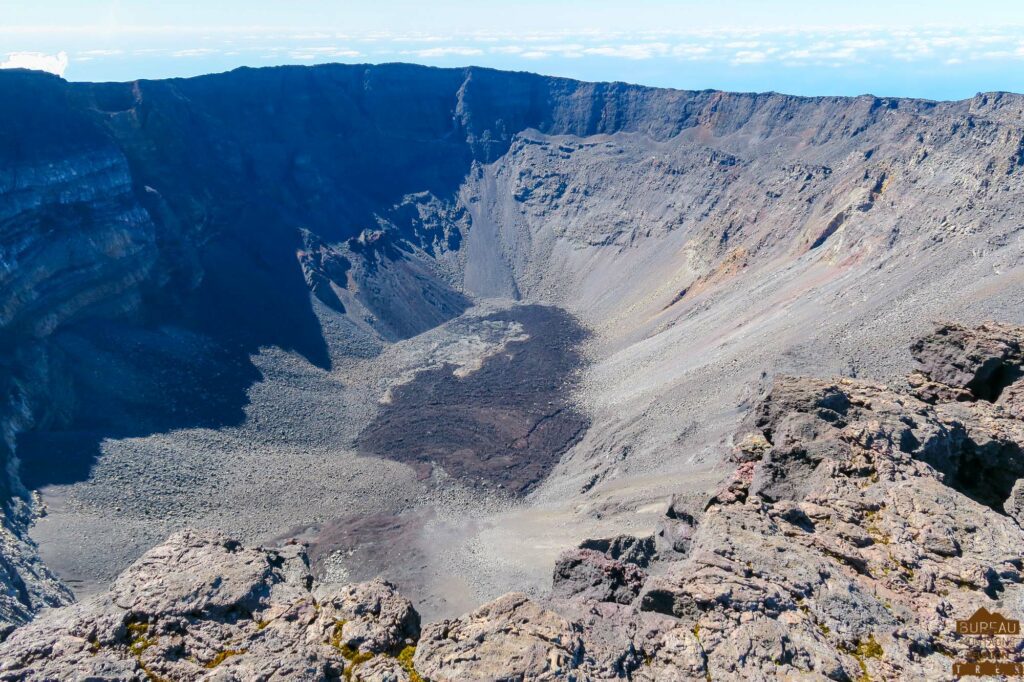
[392, 464]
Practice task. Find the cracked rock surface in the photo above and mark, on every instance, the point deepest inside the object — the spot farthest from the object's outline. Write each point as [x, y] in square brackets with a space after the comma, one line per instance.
[859, 524]
[200, 606]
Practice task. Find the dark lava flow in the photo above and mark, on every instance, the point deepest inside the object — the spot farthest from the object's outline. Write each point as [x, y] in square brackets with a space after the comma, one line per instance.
[505, 424]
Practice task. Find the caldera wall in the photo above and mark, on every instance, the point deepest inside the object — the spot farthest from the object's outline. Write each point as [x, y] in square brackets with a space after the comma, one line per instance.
[156, 234]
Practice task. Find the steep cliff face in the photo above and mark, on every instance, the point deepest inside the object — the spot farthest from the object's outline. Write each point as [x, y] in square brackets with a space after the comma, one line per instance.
[74, 244]
[742, 183]
[771, 233]
[154, 235]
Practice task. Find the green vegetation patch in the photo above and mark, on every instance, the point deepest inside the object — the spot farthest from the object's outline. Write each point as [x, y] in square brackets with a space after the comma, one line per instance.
[223, 656]
[405, 657]
[866, 649]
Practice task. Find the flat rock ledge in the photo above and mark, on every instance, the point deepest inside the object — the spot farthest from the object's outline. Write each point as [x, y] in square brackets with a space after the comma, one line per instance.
[860, 523]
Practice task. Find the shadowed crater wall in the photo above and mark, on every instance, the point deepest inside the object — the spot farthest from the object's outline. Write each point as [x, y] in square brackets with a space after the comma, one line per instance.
[210, 208]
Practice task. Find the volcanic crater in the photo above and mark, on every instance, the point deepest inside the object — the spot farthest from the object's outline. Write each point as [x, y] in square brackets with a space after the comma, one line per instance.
[484, 315]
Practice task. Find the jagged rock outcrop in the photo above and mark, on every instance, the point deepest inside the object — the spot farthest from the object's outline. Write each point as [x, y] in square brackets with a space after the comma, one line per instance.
[624, 548]
[597, 576]
[960, 364]
[847, 547]
[604, 570]
[200, 606]
[511, 638]
[27, 584]
[847, 542]
[675, 533]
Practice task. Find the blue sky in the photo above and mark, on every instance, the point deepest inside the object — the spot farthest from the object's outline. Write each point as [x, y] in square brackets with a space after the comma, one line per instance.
[939, 49]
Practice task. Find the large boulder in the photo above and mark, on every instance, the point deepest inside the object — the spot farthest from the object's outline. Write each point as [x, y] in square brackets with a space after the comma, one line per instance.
[956, 363]
[509, 639]
[202, 607]
[594, 576]
[625, 548]
[371, 617]
[604, 569]
[675, 532]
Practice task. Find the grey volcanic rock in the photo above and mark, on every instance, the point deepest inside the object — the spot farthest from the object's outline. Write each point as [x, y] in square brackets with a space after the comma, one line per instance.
[977, 366]
[604, 569]
[1012, 399]
[841, 552]
[596, 576]
[624, 548]
[201, 606]
[376, 618]
[187, 575]
[381, 669]
[28, 584]
[675, 531]
[1014, 504]
[511, 638]
[955, 363]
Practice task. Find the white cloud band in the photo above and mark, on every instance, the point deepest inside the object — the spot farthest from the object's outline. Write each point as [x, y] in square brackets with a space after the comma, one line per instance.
[37, 61]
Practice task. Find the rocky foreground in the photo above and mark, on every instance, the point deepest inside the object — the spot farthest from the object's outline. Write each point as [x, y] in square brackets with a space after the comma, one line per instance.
[861, 522]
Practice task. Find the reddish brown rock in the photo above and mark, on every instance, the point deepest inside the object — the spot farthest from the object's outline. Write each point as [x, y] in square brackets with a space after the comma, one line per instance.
[591, 575]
